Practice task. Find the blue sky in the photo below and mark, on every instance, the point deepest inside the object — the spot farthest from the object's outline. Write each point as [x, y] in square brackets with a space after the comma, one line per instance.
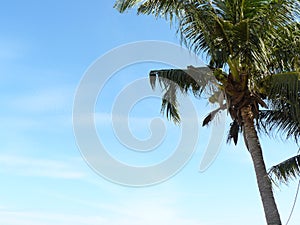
[45, 49]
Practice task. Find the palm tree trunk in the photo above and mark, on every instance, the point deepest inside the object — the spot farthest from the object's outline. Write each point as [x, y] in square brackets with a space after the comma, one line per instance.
[263, 181]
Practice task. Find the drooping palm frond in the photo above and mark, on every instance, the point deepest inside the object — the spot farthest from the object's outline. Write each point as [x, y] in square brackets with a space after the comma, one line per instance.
[169, 104]
[286, 171]
[278, 123]
[234, 131]
[196, 80]
[211, 116]
[283, 91]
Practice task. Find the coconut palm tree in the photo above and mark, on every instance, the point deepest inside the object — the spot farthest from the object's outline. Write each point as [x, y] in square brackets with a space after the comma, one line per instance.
[252, 50]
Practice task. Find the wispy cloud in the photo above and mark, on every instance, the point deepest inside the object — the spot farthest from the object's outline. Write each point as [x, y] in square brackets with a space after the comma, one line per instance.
[148, 211]
[45, 100]
[26, 166]
[102, 118]
[41, 109]
[107, 119]
[159, 205]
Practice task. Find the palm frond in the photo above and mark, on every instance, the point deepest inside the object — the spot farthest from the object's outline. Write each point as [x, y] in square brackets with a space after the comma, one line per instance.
[278, 123]
[286, 49]
[285, 87]
[234, 131]
[286, 171]
[283, 96]
[158, 8]
[123, 5]
[210, 117]
[169, 104]
[204, 31]
[196, 80]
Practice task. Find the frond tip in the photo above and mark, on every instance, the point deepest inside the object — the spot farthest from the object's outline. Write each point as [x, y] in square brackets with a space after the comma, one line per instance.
[210, 117]
[122, 5]
[286, 171]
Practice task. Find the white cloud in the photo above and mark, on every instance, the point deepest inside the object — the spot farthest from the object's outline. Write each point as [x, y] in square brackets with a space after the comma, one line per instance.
[25, 166]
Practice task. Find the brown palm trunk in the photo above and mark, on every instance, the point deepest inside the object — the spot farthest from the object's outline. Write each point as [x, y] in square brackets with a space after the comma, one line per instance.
[264, 183]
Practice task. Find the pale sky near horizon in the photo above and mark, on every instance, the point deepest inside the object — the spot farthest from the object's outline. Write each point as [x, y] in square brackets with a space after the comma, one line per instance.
[45, 49]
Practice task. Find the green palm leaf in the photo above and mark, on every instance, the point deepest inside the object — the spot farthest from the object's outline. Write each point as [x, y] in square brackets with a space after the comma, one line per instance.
[283, 91]
[286, 49]
[159, 8]
[285, 171]
[196, 80]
